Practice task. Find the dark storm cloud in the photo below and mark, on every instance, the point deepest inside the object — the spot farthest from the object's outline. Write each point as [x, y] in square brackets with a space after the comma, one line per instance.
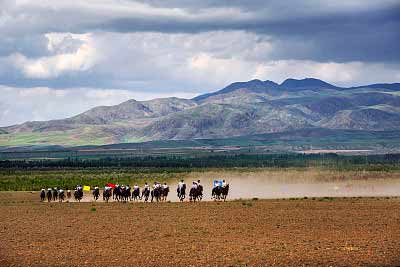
[366, 35]
[337, 31]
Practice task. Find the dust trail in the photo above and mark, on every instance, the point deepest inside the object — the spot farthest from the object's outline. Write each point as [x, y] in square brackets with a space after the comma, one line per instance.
[250, 186]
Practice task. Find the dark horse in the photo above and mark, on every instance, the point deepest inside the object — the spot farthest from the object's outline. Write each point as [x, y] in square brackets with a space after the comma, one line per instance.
[216, 192]
[220, 192]
[116, 193]
[156, 193]
[199, 192]
[225, 191]
[145, 194]
[126, 194]
[107, 194]
[196, 193]
[78, 194]
[96, 193]
[61, 196]
[181, 192]
[136, 194]
[55, 193]
[49, 195]
[164, 193]
[42, 195]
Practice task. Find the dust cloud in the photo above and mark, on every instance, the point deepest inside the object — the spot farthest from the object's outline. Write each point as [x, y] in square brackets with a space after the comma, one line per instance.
[292, 184]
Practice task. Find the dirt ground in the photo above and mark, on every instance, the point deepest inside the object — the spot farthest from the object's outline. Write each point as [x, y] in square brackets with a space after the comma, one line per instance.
[302, 232]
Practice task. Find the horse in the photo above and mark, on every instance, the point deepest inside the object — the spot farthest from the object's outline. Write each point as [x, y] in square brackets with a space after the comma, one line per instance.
[225, 191]
[164, 193]
[216, 192]
[42, 195]
[61, 196]
[55, 193]
[96, 193]
[116, 192]
[156, 193]
[196, 193]
[127, 193]
[181, 192]
[123, 193]
[136, 194]
[199, 192]
[146, 194]
[107, 194]
[49, 195]
[78, 194]
[68, 194]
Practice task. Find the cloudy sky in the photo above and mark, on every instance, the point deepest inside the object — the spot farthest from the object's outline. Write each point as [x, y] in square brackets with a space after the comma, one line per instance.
[59, 58]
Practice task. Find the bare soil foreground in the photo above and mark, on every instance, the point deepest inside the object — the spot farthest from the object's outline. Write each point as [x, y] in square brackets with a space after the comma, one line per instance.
[301, 232]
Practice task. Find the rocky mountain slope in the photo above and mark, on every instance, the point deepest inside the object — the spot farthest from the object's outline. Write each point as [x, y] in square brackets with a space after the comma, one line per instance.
[240, 109]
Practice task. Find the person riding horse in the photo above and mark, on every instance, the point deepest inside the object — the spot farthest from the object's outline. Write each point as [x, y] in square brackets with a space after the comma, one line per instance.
[225, 191]
[127, 193]
[136, 192]
[55, 193]
[69, 195]
[156, 192]
[78, 194]
[199, 190]
[107, 193]
[181, 190]
[96, 193]
[220, 190]
[145, 192]
[61, 195]
[164, 192]
[217, 190]
[49, 194]
[196, 192]
[116, 192]
[42, 194]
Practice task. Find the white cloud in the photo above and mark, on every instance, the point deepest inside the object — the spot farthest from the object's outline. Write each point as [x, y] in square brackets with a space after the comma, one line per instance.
[66, 56]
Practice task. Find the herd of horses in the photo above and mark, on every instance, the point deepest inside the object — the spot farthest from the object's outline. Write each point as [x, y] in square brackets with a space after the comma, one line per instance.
[125, 193]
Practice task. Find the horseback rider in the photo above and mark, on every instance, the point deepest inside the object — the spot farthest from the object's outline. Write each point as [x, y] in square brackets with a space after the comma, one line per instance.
[165, 186]
[61, 194]
[146, 186]
[135, 187]
[181, 185]
[195, 185]
[42, 194]
[79, 187]
[156, 185]
[223, 184]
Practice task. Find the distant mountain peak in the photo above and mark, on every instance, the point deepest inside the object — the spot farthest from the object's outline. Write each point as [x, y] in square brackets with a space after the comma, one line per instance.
[311, 83]
[252, 85]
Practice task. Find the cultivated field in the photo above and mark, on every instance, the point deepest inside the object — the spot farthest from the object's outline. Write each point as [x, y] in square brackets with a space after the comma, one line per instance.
[301, 232]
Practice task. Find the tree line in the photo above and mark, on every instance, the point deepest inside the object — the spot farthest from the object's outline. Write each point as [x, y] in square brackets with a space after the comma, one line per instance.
[214, 161]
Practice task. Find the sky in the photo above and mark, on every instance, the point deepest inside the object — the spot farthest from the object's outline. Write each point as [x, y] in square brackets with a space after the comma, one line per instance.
[60, 58]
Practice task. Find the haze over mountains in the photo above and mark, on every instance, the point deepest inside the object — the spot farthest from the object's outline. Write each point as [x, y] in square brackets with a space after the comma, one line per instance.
[240, 109]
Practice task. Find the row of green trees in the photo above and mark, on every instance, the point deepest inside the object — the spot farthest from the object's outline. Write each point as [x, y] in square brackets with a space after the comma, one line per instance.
[219, 161]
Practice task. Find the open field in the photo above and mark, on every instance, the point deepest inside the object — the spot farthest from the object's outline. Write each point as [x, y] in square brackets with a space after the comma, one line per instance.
[302, 232]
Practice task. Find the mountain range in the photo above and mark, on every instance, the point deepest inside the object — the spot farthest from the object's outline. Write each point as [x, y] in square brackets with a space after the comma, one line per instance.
[241, 109]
